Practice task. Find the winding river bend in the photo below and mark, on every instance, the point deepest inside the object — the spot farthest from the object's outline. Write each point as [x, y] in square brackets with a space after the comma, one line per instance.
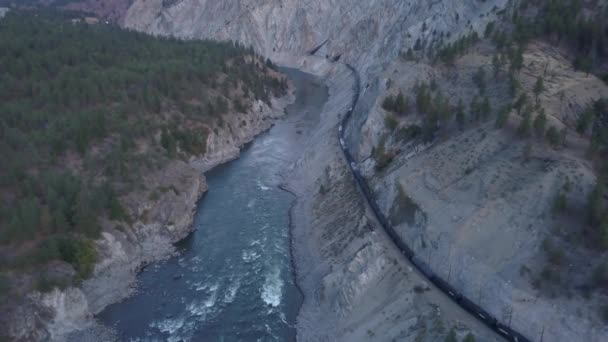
[232, 279]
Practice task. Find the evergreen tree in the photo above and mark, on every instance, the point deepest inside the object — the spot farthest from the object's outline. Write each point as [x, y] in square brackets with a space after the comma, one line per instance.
[486, 108]
[503, 117]
[401, 104]
[460, 117]
[553, 136]
[469, 338]
[539, 124]
[539, 87]
[525, 124]
[479, 78]
[451, 336]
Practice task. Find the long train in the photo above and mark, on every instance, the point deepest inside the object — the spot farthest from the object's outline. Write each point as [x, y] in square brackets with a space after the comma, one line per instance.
[485, 317]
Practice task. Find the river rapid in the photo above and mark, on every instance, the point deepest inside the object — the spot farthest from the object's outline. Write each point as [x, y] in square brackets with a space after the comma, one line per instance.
[232, 279]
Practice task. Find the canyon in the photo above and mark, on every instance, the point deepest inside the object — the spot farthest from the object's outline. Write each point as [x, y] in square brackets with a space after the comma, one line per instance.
[476, 203]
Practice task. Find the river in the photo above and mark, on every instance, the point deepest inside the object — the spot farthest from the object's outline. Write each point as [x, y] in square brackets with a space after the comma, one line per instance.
[232, 278]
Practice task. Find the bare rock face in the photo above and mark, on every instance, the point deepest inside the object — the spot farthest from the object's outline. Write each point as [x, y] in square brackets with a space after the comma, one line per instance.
[356, 286]
[479, 202]
[365, 33]
[109, 10]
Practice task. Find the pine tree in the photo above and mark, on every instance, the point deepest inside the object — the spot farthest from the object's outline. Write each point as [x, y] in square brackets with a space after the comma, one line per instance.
[401, 104]
[525, 124]
[539, 87]
[539, 124]
[553, 137]
[469, 338]
[486, 108]
[503, 117]
[496, 66]
[460, 117]
[479, 78]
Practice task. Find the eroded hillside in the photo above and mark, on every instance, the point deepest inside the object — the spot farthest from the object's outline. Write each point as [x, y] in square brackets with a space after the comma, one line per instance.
[487, 166]
[479, 158]
[481, 162]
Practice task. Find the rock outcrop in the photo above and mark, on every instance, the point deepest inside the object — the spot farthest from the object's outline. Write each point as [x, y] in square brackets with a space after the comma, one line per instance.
[483, 199]
[356, 285]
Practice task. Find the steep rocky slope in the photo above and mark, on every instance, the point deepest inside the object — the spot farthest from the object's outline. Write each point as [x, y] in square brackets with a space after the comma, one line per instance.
[480, 201]
[367, 34]
[107, 10]
[356, 285]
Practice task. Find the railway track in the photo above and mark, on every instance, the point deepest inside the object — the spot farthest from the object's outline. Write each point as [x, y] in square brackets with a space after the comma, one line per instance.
[468, 305]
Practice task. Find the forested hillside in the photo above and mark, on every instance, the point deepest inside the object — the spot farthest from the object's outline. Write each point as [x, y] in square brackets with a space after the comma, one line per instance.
[85, 110]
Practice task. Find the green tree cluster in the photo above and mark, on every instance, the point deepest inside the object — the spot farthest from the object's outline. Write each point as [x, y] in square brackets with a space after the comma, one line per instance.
[458, 48]
[399, 104]
[565, 22]
[79, 101]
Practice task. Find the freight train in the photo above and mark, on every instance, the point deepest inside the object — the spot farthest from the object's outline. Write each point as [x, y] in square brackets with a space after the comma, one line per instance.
[485, 317]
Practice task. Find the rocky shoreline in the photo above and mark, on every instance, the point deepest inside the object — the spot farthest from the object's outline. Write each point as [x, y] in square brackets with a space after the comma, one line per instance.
[161, 221]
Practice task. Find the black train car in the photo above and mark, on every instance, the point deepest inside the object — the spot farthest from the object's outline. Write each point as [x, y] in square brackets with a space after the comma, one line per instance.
[476, 310]
[447, 288]
[422, 267]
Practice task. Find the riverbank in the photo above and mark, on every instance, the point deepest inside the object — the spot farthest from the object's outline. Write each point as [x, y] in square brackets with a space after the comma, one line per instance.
[158, 222]
[232, 278]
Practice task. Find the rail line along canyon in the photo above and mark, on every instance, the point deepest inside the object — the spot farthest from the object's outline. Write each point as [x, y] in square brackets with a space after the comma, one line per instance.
[304, 170]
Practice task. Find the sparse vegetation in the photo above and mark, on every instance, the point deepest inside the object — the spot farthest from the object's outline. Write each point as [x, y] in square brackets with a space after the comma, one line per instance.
[597, 217]
[553, 137]
[5, 285]
[421, 289]
[469, 338]
[560, 203]
[525, 125]
[479, 78]
[434, 109]
[604, 313]
[539, 87]
[390, 122]
[555, 256]
[408, 133]
[502, 117]
[404, 209]
[540, 121]
[460, 116]
[399, 104]
[600, 276]
[381, 155]
[451, 336]
[453, 50]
